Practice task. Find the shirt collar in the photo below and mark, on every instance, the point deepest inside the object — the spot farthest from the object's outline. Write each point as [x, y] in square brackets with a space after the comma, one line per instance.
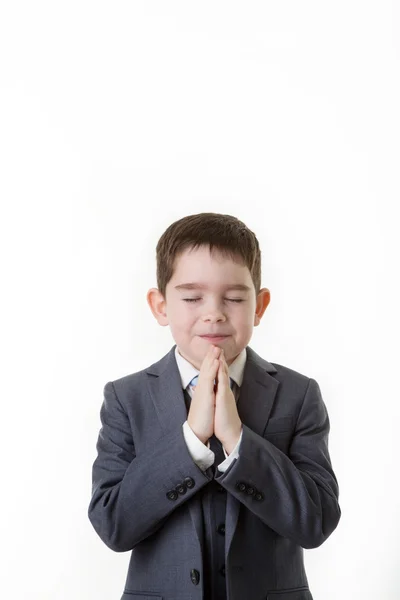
[188, 371]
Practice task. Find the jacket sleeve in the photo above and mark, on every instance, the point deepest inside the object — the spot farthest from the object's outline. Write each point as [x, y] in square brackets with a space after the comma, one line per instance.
[295, 494]
[132, 494]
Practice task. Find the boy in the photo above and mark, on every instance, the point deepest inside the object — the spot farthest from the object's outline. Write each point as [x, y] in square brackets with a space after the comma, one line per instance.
[213, 465]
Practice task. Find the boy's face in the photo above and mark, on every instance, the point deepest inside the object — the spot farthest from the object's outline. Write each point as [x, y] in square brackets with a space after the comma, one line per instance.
[208, 306]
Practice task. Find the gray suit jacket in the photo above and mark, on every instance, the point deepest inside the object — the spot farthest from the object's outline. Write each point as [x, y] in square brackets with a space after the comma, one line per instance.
[282, 493]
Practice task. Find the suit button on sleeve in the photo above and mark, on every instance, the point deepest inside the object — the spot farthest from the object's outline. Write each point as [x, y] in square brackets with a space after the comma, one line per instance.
[259, 496]
[189, 482]
[240, 486]
[172, 495]
[194, 576]
[181, 488]
[250, 490]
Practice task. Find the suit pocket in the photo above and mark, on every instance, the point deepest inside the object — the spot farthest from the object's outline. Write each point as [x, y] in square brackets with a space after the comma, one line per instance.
[279, 425]
[140, 596]
[301, 593]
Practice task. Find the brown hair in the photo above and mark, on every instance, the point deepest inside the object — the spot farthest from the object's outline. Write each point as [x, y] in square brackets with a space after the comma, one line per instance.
[224, 232]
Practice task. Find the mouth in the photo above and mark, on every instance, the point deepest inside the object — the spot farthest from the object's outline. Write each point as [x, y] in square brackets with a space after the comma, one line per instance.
[214, 338]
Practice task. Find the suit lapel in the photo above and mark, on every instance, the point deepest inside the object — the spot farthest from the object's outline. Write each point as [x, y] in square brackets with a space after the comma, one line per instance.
[255, 402]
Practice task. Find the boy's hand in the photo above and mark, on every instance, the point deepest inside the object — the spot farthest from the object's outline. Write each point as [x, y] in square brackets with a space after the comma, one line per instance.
[202, 406]
[227, 423]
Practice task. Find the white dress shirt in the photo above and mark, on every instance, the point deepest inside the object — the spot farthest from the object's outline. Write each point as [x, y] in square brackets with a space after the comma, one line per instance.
[201, 454]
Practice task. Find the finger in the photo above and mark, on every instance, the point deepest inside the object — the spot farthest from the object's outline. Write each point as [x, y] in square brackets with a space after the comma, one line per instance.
[217, 351]
[213, 353]
[226, 365]
[221, 373]
[225, 370]
[209, 361]
[223, 359]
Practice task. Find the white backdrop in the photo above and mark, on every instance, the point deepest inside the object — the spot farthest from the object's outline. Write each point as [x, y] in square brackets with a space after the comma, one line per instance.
[118, 118]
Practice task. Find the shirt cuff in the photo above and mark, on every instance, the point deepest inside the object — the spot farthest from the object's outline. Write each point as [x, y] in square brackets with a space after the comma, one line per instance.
[201, 454]
[229, 459]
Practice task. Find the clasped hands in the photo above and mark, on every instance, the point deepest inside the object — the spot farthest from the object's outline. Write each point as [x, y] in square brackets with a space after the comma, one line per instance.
[213, 408]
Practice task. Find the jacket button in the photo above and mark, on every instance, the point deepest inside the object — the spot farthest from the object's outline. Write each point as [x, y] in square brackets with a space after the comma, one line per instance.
[194, 576]
[250, 490]
[221, 529]
[189, 482]
[172, 495]
[181, 488]
[222, 570]
[259, 496]
[240, 486]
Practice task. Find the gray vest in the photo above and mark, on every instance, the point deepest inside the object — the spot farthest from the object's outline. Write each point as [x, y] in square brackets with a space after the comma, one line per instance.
[213, 502]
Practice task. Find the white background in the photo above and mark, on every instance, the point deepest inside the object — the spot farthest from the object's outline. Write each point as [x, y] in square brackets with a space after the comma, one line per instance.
[117, 118]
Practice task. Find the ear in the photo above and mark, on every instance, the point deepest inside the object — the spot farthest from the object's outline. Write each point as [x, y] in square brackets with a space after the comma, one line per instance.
[262, 302]
[158, 306]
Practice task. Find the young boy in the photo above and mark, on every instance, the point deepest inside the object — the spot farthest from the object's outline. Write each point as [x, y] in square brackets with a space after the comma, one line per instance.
[213, 465]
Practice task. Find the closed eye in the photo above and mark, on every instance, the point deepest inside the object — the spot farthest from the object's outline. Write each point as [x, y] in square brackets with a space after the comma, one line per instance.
[196, 299]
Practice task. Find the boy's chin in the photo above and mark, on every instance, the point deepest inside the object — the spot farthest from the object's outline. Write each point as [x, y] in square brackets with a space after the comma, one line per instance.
[194, 355]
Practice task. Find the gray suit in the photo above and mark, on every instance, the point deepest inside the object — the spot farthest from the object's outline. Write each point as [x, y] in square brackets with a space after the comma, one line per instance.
[282, 493]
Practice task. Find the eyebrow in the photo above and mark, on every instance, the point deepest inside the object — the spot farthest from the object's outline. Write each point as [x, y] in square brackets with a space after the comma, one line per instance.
[199, 286]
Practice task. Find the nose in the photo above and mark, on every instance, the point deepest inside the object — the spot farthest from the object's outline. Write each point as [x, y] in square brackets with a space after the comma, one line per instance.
[213, 319]
[214, 316]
